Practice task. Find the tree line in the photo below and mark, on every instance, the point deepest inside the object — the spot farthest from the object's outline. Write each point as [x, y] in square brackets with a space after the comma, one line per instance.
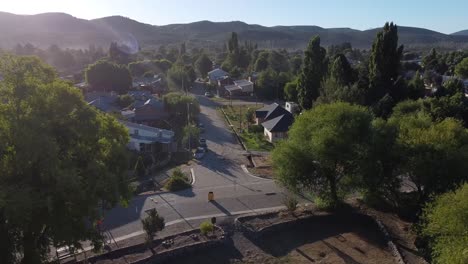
[371, 132]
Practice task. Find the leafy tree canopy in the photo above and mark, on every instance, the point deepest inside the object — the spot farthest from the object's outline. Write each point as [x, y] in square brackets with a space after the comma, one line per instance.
[62, 162]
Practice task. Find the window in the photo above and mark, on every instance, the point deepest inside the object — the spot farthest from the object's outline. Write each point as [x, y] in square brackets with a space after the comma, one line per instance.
[136, 132]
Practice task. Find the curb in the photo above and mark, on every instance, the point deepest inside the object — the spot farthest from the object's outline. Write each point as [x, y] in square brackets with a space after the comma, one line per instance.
[244, 168]
[192, 174]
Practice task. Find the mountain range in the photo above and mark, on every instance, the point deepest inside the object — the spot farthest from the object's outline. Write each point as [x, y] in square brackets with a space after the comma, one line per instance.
[43, 30]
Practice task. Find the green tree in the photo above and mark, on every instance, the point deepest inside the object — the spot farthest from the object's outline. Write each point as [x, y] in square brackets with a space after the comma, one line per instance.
[152, 224]
[76, 163]
[290, 91]
[278, 61]
[445, 223]
[179, 78]
[108, 76]
[313, 72]
[384, 67]
[323, 149]
[333, 91]
[182, 50]
[435, 152]
[430, 62]
[267, 85]
[119, 53]
[125, 100]
[203, 65]
[462, 68]
[341, 71]
[261, 63]
[296, 64]
[416, 88]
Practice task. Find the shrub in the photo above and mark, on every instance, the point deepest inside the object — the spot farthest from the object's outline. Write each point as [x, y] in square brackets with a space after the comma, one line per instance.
[290, 202]
[324, 203]
[256, 129]
[178, 181]
[206, 227]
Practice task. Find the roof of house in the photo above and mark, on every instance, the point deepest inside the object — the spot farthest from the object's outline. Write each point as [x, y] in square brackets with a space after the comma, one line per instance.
[159, 135]
[280, 123]
[232, 87]
[270, 111]
[158, 104]
[139, 94]
[243, 83]
[102, 101]
[217, 74]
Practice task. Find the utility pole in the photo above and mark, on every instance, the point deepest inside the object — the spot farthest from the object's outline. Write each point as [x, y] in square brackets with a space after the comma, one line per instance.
[240, 118]
[188, 127]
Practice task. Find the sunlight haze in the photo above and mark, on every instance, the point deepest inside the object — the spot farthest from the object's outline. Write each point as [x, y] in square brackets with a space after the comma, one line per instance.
[361, 15]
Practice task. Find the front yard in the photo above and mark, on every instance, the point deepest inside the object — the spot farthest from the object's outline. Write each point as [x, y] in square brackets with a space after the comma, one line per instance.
[242, 120]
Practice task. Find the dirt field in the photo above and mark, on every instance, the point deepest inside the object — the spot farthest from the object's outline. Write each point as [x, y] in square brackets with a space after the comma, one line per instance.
[325, 239]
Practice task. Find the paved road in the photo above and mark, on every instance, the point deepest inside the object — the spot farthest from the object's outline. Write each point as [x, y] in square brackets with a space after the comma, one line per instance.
[220, 171]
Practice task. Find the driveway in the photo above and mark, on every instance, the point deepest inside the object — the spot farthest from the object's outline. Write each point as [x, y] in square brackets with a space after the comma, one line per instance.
[236, 192]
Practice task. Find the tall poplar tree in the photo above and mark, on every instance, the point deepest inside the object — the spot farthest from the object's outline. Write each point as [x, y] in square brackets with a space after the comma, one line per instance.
[313, 72]
[384, 66]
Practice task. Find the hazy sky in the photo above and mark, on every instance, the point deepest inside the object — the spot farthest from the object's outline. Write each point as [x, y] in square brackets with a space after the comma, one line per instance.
[444, 16]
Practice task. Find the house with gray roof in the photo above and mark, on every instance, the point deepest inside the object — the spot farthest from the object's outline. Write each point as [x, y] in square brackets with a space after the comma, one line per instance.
[278, 127]
[240, 87]
[216, 75]
[269, 112]
[275, 121]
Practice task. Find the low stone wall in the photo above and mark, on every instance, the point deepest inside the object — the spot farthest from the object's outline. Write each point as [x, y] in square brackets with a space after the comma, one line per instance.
[256, 233]
[160, 257]
[393, 248]
[170, 254]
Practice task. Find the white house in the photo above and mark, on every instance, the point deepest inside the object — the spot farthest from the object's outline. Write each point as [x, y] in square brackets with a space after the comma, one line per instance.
[145, 138]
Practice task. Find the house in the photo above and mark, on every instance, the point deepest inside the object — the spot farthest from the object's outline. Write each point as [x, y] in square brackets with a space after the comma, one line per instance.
[151, 84]
[216, 74]
[223, 82]
[240, 87]
[278, 127]
[140, 95]
[149, 111]
[104, 101]
[269, 112]
[149, 139]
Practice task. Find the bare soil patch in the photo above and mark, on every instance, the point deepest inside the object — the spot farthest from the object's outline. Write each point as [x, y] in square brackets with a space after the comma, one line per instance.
[327, 238]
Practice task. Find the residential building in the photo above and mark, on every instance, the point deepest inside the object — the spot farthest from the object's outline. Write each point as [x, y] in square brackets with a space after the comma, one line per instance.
[216, 74]
[277, 128]
[269, 112]
[149, 111]
[149, 139]
[240, 87]
[103, 101]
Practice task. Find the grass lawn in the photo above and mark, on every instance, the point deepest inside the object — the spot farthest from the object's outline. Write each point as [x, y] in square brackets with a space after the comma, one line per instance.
[253, 141]
[256, 141]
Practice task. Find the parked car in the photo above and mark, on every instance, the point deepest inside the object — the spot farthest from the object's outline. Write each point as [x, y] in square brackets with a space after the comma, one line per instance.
[208, 94]
[201, 127]
[199, 153]
[202, 143]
